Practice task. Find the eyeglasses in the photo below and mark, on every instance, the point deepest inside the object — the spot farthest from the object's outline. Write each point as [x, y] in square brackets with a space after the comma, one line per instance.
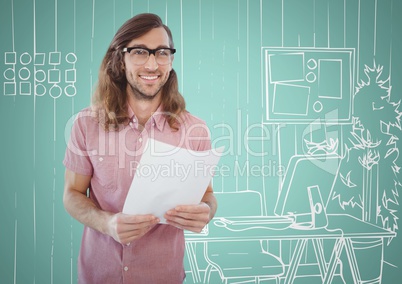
[140, 55]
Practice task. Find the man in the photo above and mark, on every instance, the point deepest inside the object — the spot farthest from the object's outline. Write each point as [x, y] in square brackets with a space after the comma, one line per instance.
[136, 98]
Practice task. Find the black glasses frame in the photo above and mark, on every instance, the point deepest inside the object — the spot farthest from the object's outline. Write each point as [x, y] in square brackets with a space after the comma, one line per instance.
[150, 51]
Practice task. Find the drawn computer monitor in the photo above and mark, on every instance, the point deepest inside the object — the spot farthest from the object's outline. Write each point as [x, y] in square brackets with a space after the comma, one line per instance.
[306, 175]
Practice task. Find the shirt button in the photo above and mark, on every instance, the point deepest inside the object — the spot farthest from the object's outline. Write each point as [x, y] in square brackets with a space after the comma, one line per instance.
[125, 268]
[131, 124]
[140, 139]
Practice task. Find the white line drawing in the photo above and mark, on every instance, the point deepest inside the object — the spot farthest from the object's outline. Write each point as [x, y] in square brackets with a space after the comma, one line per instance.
[24, 74]
[40, 90]
[10, 58]
[40, 59]
[302, 219]
[25, 88]
[25, 58]
[371, 147]
[40, 76]
[367, 146]
[312, 69]
[54, 58]
[10, 89]
[326, 85]
[291, 201]
[53, 76]
[314, 214]
[55, 91]
[9, 74]
[49, 73]
[10, 86]
[286, 93]
[70, 75]
[239, 259]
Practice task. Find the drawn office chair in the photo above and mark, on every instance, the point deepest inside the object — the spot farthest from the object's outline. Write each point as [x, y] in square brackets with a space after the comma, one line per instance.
[235, 260]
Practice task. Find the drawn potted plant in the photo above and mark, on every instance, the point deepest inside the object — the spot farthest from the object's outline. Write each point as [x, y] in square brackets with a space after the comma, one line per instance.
[368, 181]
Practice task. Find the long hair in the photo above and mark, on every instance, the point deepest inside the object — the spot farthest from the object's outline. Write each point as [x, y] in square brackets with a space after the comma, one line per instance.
[110, 97]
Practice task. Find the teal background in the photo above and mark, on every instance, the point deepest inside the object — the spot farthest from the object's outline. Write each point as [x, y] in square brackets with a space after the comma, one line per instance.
[221, 69]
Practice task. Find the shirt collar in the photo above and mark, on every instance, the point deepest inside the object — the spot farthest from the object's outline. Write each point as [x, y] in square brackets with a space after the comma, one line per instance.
[158, 118]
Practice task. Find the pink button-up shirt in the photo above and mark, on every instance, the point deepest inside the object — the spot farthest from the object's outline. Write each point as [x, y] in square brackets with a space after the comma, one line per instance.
[110, 158]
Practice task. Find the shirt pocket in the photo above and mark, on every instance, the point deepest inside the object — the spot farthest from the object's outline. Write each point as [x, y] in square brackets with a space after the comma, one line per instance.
[105, 172]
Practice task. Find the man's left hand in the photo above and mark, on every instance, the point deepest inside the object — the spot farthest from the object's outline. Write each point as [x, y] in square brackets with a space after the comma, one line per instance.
[189, 217]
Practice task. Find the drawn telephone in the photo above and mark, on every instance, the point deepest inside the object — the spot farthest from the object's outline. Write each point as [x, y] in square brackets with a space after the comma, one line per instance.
[318, 213]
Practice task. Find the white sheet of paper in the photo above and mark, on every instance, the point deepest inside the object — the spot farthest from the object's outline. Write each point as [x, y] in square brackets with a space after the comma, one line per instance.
[168, 176]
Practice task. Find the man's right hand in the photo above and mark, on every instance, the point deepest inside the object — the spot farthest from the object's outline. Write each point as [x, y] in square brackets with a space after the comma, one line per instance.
[121, 227]
[125, 228]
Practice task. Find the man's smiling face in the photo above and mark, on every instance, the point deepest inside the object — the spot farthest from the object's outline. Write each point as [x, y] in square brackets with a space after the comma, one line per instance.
[145, 81]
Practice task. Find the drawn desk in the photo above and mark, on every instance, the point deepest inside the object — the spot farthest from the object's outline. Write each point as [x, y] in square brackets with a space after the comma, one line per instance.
[341, 228]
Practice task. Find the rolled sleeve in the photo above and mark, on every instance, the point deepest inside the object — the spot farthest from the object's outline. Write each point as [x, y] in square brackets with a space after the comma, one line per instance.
[198, 134]
[76, 158]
